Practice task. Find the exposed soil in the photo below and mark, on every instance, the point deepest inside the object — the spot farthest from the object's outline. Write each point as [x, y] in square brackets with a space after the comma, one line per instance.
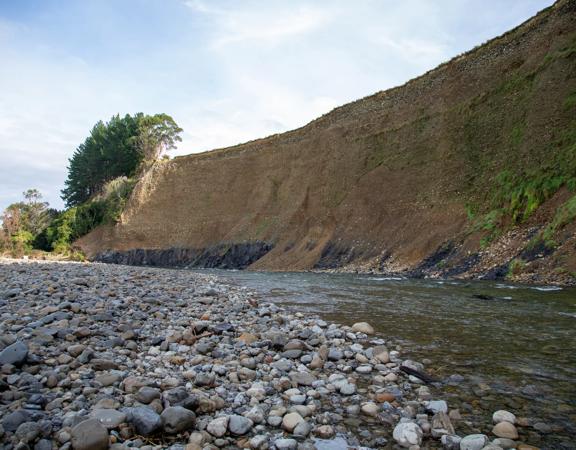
[383, 183]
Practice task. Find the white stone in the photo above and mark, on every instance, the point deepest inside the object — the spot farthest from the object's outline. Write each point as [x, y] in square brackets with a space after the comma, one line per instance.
[407, 434]
[370, 409]
[347, 388]
[259, 442]
[436, 406]
[474, 442]
[503, 416]
[218, 426]
[257, 391]
[291, 420]
[363, 327]
[364, 369]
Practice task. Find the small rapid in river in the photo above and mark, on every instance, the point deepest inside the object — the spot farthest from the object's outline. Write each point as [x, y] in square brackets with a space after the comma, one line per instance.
[495, 345]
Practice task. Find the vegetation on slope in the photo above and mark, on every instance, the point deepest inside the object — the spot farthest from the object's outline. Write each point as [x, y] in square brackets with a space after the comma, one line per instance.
[531, 171]
[121, 147]
[102, 173]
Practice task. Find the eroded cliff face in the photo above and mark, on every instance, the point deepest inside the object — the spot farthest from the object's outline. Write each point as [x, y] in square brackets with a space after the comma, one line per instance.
[383, 183]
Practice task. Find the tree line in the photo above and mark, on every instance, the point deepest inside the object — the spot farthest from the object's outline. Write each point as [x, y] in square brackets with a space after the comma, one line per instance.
[101, 174]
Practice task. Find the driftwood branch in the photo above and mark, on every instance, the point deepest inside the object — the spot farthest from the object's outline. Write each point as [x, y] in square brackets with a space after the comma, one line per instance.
[421, 375]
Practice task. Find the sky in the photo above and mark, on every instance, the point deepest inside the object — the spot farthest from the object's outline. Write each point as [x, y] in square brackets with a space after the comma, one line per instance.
[227, 71]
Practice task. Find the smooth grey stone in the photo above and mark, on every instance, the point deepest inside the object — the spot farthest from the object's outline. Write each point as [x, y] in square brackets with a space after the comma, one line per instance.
[145, 420]
[147, 394]
[110, 418]
[89, 435]
[335, 354]
[176, 419]
[14, 354]
[286, 444]
[239, 425]
[12, 421]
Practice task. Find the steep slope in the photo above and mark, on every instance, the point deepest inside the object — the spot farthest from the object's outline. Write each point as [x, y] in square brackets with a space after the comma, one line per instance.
[458, 172]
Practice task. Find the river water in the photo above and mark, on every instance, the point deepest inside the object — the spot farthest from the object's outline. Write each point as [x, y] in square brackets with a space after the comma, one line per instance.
[513, 347]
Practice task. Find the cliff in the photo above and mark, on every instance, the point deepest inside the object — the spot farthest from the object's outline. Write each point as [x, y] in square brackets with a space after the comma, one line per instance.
[465, 171]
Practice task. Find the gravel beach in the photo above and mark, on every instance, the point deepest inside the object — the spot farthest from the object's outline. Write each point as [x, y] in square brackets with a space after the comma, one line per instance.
[97, 356]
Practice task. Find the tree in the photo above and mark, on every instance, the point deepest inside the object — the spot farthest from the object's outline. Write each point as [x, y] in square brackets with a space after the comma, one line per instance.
[114, 149]
[15, 236]
[109, 152]
[156, 135]
[32, 196]
[35, 213]
[23, 221]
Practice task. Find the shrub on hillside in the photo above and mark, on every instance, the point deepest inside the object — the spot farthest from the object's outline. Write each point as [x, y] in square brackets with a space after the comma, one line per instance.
[78, 221]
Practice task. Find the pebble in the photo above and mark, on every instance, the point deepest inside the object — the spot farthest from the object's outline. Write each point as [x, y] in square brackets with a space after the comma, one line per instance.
[363, 327]
[370, 409]
[89, 435]
[382, 397]
[347, 389]
[145, 420]
[147, 394]
[324, 431]
[28, 432]
[259, 442]
[303, 378]
[435, 406]
[505, 430]
[451, 442]
[302, 429]
[239, 425]
[286, 444]
[503, 416]
[14, 354]
[110, 418]
[407, 434]
[218, 426]
[474, 442]
[291, 420]
[176, 419]
[504, 443]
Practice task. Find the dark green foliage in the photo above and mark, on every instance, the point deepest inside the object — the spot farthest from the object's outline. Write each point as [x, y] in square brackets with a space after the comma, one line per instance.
[520, 194]
[109, 152]
[517, 194]
[515, 267]
[565, 214]
[114, 149]
[79, 220]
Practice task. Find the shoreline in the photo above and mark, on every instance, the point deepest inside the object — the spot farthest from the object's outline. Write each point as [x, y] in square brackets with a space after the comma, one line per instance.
[242, 256]
[189, 361]
[125, 259]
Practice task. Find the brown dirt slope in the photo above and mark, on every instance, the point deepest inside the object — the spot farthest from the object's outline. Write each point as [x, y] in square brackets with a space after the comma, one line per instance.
[387, 182]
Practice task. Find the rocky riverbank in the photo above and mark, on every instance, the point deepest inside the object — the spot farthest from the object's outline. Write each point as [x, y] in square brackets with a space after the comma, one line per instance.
[96, 356]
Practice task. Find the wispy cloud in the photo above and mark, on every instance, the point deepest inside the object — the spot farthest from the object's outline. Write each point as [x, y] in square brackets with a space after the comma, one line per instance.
[261, 25]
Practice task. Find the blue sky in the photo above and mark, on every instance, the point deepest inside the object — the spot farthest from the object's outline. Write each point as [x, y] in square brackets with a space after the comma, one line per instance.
[228, 71]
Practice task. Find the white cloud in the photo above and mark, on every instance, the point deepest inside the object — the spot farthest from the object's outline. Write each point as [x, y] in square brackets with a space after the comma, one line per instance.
[245, 117]
[261, 25]
[411, 48]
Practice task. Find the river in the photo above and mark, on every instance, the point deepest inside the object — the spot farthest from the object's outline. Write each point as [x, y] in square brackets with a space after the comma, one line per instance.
[495, 345]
